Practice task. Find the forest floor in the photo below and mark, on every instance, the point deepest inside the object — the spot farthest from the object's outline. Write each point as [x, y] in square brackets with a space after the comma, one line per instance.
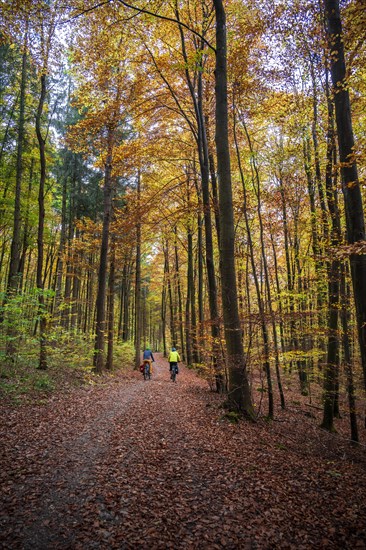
[130, 464]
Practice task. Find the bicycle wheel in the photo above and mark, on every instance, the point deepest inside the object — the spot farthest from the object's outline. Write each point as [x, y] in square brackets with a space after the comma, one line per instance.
[174, 373]
[146, 372]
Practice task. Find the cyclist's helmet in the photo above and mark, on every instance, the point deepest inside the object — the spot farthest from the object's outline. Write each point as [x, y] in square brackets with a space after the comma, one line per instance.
[173, 349]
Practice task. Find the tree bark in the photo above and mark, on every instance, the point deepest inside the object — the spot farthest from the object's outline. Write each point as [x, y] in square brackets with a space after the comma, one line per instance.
[109, 361]
[203, 155]
[188, 327]
[13, 277]
[350, 183]
[16, 238]
[170, 296]
[102, 273]
[179, 291]
[41, 215]
[163, 318]
[239, 397]
[138, 282]
[266, 343]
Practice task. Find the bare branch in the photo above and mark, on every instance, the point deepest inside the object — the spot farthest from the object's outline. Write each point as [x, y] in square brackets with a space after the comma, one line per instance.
[166, 18]
[86, 11]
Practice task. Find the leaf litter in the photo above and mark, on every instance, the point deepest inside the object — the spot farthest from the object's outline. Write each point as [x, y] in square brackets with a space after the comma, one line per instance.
[136, 464]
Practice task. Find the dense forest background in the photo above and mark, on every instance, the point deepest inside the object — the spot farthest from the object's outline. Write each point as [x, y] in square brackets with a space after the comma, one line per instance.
[154, 195]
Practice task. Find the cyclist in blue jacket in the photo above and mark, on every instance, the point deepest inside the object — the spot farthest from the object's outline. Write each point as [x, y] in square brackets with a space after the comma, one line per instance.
[148, 358]
[148, 355]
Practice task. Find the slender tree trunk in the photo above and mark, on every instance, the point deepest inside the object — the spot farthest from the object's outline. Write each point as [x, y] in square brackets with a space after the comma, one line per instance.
[88, 297]
[98, 359]
[337, 299]
[109, 361]
[189, 297]
[318, 178]
[138, 281]
[201, 318]
[193, 306]
[70, 253]
[62, 245]
[163, 318]
[298, 326]
[256, 185]
[170, 296]
[345, 320]
[266, 362]
[203, 155]
[180, 301]
[16, 238]
[279, 300]
[76, 280]
[239, 392]
[331, 369]
[13, 277]
[41, 207]
[123, 325]
[209, 253]
[214, 194]
[63, 236]
[26, 228]
[350, 183]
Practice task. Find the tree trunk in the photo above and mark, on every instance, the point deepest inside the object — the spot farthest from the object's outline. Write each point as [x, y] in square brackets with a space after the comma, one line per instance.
[98, 360]
[163, 318]
[123, 324]
[41, 215]
[214, 194]
[173, 336]
[331, 369]
[239, 392]
[69, 261]
[266, 359]
[26, 231]
[203, 155]
[138, 282]
[201, 317]
[345, 319]
[16, 238]
[13, 278]
[188, 297]
[180, 301]
[350, 183]
[109, 361]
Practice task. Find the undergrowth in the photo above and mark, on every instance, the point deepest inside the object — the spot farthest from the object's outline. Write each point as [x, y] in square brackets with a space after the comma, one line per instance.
[70, 365]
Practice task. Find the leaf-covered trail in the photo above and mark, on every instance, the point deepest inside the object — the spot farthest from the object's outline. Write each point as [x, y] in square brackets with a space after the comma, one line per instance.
[152, 465]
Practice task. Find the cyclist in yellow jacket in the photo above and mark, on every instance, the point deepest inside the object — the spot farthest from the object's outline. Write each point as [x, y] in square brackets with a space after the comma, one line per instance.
[173, 358]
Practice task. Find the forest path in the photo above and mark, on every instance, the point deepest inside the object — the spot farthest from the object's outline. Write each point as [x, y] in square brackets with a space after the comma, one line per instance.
[152, 465]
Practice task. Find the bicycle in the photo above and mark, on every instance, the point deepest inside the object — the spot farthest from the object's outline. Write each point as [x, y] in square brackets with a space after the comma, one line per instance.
[174, 372]
[147, 370]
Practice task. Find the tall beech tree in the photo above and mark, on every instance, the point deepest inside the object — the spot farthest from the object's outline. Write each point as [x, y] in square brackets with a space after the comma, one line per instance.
[15, 249]
[239, 391]
[138, 319]
[16, 238]
[350, 183]
[100, 327]
[203, 157]
[45, 26]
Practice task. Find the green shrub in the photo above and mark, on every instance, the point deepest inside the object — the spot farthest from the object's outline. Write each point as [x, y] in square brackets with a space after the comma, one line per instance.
[43, 383]
[124, 355]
